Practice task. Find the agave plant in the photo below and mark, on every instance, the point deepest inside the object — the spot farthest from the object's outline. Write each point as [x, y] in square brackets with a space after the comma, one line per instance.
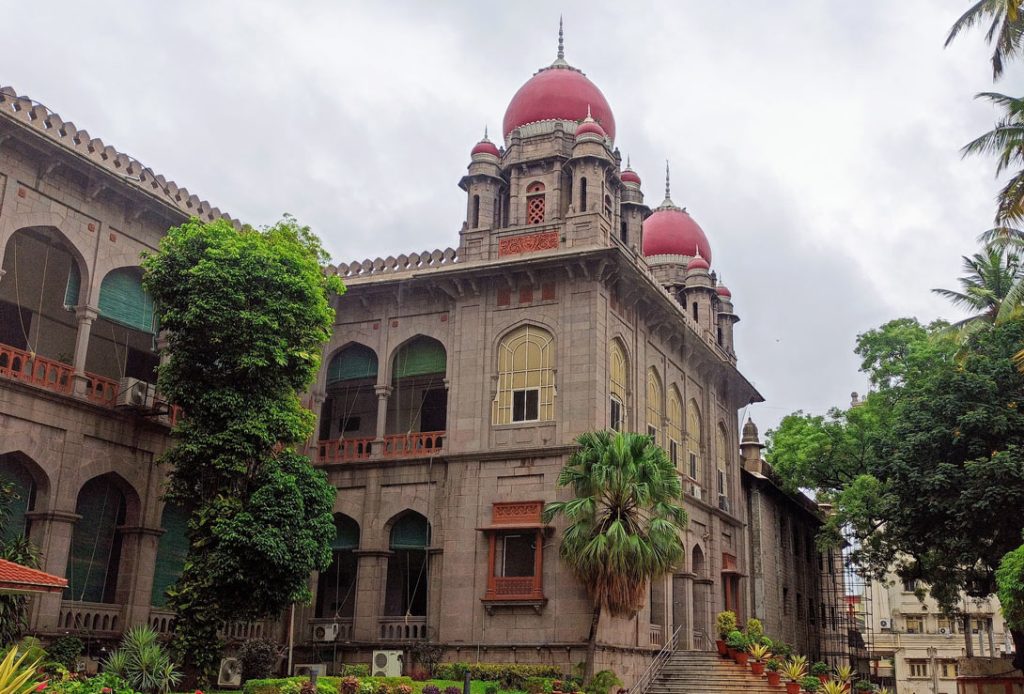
[883, 690]
[844, 673]
[17, 673]
[143, 663]
[799, 660]
[794, 671]
[833, 687]
[759, 652]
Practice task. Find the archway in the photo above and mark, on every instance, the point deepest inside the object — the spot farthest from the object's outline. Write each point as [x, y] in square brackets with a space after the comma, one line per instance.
[350, 410]
[336, 587]
[701, 594]
[25, 493]
[419, 399]
[122, 340]
[406, 591]
[95, 554]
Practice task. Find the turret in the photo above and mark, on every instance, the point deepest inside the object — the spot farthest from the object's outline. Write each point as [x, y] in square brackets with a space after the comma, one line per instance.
[699, 294]
[750, 448]
[726, 319]
[485, 198]
[632, 210]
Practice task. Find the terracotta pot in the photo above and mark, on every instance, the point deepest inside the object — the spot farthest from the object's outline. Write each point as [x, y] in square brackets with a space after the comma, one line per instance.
[732, 652]
[823, 678]
[774, 678]
[792, 688]
[742, 657]
[723, 650]
[757, 668]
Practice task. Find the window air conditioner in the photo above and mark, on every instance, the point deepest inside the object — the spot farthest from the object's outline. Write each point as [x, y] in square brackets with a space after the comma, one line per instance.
[136, 393]
[230, 673]
[696, 491]
[387, 664]
[308, 669]
[325, 633]
[885, 624]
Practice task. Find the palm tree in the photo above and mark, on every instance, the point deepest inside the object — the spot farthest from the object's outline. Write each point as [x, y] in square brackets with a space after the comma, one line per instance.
[1006, 28]
[992, 289]
[1006, 141]
[624, 521]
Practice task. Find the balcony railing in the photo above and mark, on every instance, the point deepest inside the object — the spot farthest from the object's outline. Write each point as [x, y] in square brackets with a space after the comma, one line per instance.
[39, 371]
[403, 628]
[655, 632]
[161, 620]
[101, 390]
[90, 617]
[416, 444]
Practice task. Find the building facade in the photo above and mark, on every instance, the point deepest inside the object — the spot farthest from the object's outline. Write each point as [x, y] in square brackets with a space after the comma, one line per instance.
[451, 393]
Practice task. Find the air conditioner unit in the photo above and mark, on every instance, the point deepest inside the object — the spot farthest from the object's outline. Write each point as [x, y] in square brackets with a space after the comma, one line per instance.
[387, 664]
[308, 669]
[136, 394]
[696, 491]
[943, 630]
[325, 633]
[230, 673]
[885, 624]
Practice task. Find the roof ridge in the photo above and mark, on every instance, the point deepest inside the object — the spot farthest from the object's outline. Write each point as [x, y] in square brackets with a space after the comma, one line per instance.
[41, 119]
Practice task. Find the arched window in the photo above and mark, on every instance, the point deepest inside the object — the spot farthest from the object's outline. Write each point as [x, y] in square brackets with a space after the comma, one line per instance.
[350, 409]
[617, 385]
[476, 211]
[354, 363]
[693, 441]
[95, 554]
[170, 553]
[526, 377]
[124, 301]
[23, 490]
[535, 203]
[654, 408]
[583, 194]
[406, 590]
[607, 206]
[721, 461]
[336, 588]
[623, 232]
[675, 425]
[419, 399]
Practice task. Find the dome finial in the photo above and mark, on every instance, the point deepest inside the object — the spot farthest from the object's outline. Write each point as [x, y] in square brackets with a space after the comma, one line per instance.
[667, 196]
[485, 132]
[627, 162]
[561, 42]
[589, 117]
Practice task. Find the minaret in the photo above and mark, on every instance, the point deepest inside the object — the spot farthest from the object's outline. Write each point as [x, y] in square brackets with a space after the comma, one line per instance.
[632, 208]
[594, 208]
[750, 448]
[485, 198]
[726, 320]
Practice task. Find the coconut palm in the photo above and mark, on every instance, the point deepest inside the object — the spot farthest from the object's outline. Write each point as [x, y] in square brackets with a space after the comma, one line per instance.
[1005, 26]
[1006, 142]
[624, 521]
[991, 290]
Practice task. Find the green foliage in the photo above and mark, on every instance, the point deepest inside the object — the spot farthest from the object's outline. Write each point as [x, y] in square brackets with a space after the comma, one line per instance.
[65, 651]
[1005, 29]
[601, 682]
[355, 670]
[426, 654]
[247, 314]
[13, 608]
[736, 640]
[794, 670]
[1010, 582]
[143, 663]
[18, 672]
[755, 630]
[258, 658]
[773, 665]
[507, 675]
[810, 684]
[725, 622]
[91, 685]
[819, 668]
[491, 689]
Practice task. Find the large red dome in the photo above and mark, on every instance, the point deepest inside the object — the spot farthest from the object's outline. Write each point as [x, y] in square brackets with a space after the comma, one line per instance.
[558, 93]
[671, 231]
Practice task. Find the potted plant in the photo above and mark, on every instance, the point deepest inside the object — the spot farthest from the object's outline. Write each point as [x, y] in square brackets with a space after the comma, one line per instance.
[863, 686]
[772, 667]
[725, 623]
[833, 687]
[794, 672]
[737, 644]
[820, 670]
[810, 683]
[755, 630]
[844, 673]
[759, 652]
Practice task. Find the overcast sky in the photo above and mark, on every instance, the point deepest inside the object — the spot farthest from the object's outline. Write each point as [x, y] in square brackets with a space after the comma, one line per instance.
[816, 142]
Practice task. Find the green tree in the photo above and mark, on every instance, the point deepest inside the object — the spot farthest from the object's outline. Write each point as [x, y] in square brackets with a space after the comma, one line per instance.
[1006, 142]
[991, 290]
[1010, 580]
[624, 521]
[246, 315]
[13, 608]
[1005, 25]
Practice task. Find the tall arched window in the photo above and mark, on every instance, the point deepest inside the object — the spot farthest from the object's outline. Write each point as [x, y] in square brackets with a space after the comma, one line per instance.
[655, 414]
[124, 301]
[675, 425]
[96, 542]
[350, 409]
[170, 553]
[419, 399]
[617, 385]
[535, 203]
[607, 206]
[406, 590]
[526, 377]
[583, 194]
[721, 460]
[23, 487]
[693, 441]
[476, 211]
[336, 588]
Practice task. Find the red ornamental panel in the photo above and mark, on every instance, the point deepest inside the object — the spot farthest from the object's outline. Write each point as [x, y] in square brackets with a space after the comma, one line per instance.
[528, 243]
[517, 512]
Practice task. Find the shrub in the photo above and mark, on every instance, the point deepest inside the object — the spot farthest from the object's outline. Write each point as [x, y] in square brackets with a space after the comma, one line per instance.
[18, 673]
[365, 687]
[143, 663]
[601, 682]
[65, 651]
[507, 675]
[490, 689]
[433, 689]
[862, 686]
[104, 682]
[308, 687]
[819, 669]
[810, 683]
[355, 670]
[293, 685]
[258, 658]
[725, 622]
[452, 690]
[736, 640]
[349, 685]
[755, 630]
[382, 688]
[536, 685]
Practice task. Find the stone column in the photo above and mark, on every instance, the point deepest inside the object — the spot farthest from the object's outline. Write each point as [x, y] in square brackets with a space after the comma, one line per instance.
[435, 570]
[682, 609]
[85, 315]
[371, 579]
[383, 393]
[53, 531]
[137, 570]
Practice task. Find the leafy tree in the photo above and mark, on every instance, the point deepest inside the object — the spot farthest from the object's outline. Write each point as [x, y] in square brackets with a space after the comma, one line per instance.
[1010, 580]
[1006, 24]
[992, 289]
[624, 521]
[246, 315]
[13, 608]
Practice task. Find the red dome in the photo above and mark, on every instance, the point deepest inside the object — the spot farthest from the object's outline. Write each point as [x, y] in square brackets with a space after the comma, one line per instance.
[698, 263]
[630, 176]
[558, 93]
[671, 231]
[485, 146]
[723, 291]
[590, 126]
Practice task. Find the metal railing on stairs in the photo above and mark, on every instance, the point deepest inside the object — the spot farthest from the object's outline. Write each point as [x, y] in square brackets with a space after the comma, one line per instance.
[654, 669]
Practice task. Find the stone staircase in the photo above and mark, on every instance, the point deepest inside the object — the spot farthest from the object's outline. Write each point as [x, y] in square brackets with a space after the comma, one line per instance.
[702, 672]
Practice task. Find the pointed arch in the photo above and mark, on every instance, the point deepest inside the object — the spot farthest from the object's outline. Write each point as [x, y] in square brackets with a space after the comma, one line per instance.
[353, 362]
[172, 548]
[123, 300]
[618, 384]
[419, 398]
[693, 441]
[29, 485]
[406, 588]
[675, 425]
[336, 586]
[95, 554]
[526, 377]
[655, 408]
[697, 564]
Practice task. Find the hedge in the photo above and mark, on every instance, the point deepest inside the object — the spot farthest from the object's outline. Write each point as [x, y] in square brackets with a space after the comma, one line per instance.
[508, 675]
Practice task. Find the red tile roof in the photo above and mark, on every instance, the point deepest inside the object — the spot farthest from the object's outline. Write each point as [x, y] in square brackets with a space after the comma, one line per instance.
[18, 579]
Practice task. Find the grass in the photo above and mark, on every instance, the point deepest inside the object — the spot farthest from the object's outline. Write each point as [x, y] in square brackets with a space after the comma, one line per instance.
[475, 686]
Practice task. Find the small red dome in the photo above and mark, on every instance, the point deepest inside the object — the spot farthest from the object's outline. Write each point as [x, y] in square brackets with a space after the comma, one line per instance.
[723, 291]
[698, 263]
[485, 146]
[630, 176]
[590, 126]
[671, 231]
[558, 93]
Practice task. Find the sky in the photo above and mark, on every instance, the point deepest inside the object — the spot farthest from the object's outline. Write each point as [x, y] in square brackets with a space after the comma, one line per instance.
[816, 143]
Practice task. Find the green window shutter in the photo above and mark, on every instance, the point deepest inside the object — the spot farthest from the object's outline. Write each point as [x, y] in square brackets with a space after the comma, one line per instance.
[24, 489]
[410, 532]
[419, 357]
[74, 286]
[95, 547]
[352, 363]
[346, 534]
[124, 301]
[170, 553]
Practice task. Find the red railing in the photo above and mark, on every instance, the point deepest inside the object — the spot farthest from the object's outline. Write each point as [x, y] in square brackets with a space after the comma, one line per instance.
[100, 390]
[39, 371]
[343, 450]
[414, 444]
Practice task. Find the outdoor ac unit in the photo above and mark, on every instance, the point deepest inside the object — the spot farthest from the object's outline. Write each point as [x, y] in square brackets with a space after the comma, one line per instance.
[230, 673]
[325, 633]
[885, 624]
[136, 393]
[308, 669]
[943, 630]
[387, 664]
[696, 491]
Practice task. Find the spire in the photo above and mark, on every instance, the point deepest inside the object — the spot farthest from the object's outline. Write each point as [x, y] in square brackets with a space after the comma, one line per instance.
[667, 186]
[589, 116]
[561, 42]
[485, 132]
[627, 162]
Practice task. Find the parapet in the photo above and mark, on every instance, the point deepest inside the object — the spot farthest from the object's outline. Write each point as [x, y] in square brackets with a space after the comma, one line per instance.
[403, 263]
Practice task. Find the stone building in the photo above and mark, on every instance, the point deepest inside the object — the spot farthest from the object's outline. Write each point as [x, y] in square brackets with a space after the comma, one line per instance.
[450, 395]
